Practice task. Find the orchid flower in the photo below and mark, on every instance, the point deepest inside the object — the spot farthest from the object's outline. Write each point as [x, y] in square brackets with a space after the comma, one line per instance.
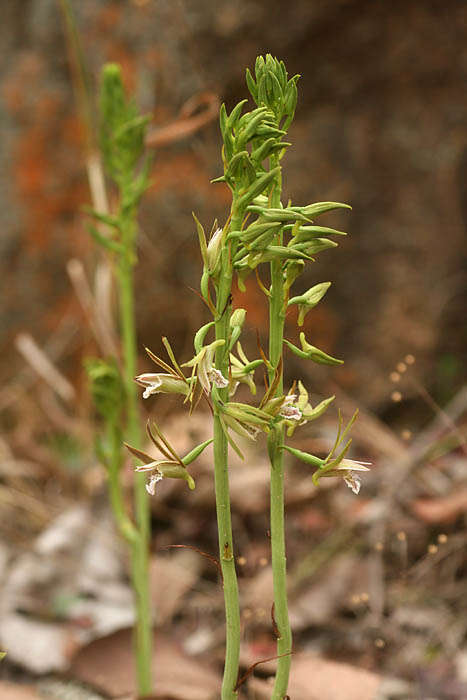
[203, 367]
[170, 466]
[162, 383]
[345, 470]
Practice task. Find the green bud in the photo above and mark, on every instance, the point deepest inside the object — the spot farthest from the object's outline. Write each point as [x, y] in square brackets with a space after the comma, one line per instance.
[293, 270]
[195, 452]
[266, 149]
[274, 252]
[259, 186]
[305, 233]
[238, 318]
[318, 410]
[255, 231]
[250, 125]
[252, 87]
[309, 300]
[200, 336]
[318, 208]
[204, 286]
[223, 119]
[289, 214]
[236, 322]
[304, 456]
[315, 246]
[241, 169]
[234, 115]
[310, 352]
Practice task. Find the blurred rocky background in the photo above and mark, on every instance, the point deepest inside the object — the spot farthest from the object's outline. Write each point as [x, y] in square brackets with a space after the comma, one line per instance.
[380, 124]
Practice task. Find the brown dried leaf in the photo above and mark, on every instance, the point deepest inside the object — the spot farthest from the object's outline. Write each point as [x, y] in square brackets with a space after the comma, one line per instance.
[322, 599]
[171, 577]
[441, 510]
[107, 664]
[314, 678]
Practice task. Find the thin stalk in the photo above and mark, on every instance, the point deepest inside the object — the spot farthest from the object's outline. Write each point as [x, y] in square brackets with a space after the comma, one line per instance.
[221, 479]
[275, 439]
[126, 527]
[140, 548]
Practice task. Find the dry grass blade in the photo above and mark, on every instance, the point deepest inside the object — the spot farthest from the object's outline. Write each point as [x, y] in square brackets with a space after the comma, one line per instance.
[188, 122]
[92, 310]
[43, 366]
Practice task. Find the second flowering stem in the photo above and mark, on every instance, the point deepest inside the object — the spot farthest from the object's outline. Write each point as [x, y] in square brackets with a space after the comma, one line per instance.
[277, 306]
[221, 479]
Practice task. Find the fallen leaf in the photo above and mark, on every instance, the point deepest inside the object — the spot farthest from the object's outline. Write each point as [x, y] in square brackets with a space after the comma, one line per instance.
[441, 510]
[64, 592]
[314, 678]
[323, 598]
[171, 577]
[107, 664]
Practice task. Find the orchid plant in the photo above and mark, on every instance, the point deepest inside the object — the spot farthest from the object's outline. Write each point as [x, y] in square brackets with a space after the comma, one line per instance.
[260, 231]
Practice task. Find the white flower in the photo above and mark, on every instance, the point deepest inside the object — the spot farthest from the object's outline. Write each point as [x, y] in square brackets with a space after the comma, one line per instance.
[347, 467]
[171, 466]
[289, 410]
[216, 376]
[160, 383]
[151, 484]
[353, 482]
[203, 366]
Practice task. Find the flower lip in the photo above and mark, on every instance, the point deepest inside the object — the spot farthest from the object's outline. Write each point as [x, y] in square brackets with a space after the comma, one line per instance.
[216, 376]
[353, 481]
[346, 470]
[151, 484]
[290, 412]
[349, 466]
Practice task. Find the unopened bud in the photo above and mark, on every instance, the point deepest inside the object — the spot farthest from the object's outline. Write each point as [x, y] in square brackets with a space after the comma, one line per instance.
[214, 249]
[238, 318]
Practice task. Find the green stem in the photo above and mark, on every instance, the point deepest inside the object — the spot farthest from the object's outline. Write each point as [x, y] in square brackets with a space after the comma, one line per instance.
[221, 477]
[140, 548]
[126, 527]
[278, 558]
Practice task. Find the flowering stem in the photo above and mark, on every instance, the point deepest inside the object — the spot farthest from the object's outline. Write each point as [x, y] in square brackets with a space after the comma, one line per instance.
[140, 545]
[277, 304]
[221, 477]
